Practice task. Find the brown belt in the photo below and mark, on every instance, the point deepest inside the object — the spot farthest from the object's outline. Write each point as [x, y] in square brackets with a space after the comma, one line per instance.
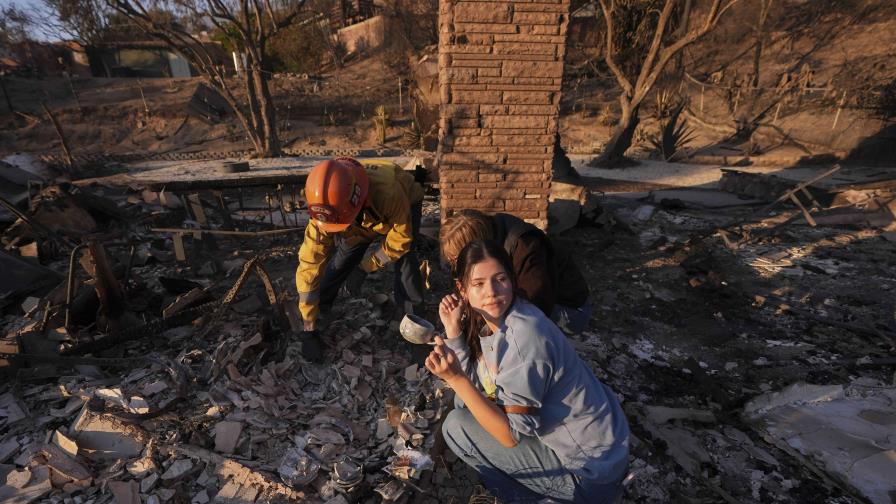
[516, 409]
[519, 410]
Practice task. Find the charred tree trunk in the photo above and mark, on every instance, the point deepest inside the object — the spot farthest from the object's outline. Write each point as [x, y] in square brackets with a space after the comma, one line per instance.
[267, 114]
[614, 152]
[658, 55]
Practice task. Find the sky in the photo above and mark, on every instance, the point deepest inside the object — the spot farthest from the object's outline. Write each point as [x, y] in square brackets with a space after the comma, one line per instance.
[32, 7]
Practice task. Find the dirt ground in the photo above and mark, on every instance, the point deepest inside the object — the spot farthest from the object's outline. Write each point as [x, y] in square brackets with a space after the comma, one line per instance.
[150, 116]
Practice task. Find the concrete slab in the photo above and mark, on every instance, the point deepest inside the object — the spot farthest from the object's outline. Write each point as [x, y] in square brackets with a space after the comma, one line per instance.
[846, 432]
[652, 174]
[205, 175]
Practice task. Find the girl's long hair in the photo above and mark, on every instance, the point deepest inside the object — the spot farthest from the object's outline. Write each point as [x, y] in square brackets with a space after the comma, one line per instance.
[474, 253]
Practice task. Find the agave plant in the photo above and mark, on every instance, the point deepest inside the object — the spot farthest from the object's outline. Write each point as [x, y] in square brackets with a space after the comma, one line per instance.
[666, 103]
[673, 136]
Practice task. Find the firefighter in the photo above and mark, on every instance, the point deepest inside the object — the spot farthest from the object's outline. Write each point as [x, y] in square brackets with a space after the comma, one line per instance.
[353, 204]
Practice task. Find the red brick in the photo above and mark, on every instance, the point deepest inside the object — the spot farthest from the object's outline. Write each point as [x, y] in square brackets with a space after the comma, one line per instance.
[493, 110]
[491, 177]
[526, 38]
[528, 157]
[482, 12]
[516, 131]
[502, 57]
[490, 28]
[515, 121]
[540, 30]
[532, 69]
[541, 7]
[527, 177]
[471, 141]
[511, 48]
[489, 72]
[475, 97]
[522, 87]
[537, 18]
[503, 193]
[522, 204]
[539, 140]
[457, 192]
[456, 175]
[459, 132]
[538, 81]
[528, 97]
[463, 111]
[465, 49]
[531, 187]
[474, 39]
[472, 159]
[467, 87]
[475, 203]
[496, 80]
[501, 149]
[460, 75]
[521, 149]
[476, 63]
[517, 167]
[548, 110]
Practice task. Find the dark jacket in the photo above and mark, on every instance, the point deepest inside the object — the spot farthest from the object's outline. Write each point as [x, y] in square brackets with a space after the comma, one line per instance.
[540, 267]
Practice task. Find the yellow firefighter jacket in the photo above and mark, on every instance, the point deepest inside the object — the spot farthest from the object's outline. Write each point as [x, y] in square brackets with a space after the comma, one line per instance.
[387, 213]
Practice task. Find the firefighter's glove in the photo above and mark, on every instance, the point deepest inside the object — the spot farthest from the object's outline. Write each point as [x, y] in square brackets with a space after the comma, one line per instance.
[352, 285]
[312, 346]
[371, 261]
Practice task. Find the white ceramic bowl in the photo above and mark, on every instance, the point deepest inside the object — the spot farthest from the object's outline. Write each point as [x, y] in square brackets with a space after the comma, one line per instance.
[416, 329]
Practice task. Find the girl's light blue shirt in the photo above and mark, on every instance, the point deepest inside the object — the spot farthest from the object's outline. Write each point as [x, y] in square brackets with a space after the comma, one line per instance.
[532, 364]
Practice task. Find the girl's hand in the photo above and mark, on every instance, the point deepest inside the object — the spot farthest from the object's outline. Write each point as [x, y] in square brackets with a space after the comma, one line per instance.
[450, 311]
[443, 363]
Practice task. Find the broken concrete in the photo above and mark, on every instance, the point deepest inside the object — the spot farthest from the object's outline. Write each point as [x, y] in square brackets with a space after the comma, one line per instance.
[102, 436]
[845, 431]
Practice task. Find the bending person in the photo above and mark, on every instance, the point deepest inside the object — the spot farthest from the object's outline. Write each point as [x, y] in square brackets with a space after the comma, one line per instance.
[351, 204]
[531, 417]
[540, 269]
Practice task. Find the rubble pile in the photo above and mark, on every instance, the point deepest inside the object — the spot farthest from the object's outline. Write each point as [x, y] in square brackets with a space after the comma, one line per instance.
[761, 372]
[751, 357]
[137, 378]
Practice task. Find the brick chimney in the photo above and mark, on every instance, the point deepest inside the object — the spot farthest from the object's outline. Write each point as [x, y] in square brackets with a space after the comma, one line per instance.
[500, 74]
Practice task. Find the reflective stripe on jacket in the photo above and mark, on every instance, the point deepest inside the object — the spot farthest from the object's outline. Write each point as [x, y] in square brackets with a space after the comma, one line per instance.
[387, 213]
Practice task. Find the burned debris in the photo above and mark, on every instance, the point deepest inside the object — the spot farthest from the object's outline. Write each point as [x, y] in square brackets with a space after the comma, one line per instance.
[161, 378]
[140, 374]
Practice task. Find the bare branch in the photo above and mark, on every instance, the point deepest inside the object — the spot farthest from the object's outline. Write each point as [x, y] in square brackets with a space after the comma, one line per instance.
[657, 41]
[610, 53]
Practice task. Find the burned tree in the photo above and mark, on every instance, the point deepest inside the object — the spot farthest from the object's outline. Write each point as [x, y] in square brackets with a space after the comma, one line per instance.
[246, 24]
[661, 49]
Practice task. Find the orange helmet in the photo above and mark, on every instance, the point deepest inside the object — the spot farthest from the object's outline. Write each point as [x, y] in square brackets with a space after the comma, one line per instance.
[336, 190]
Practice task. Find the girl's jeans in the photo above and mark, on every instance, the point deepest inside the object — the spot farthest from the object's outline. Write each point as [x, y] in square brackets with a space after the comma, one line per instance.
[528, 472]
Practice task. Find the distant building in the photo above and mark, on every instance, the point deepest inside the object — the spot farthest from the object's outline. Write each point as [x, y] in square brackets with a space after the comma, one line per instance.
[145, 59]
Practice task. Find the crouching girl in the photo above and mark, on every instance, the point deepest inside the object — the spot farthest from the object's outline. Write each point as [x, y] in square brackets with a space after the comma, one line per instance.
[531, 417]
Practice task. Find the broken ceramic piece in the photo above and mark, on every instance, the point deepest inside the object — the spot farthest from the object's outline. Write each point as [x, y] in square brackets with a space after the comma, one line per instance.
[297, 468]
[347, 473]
